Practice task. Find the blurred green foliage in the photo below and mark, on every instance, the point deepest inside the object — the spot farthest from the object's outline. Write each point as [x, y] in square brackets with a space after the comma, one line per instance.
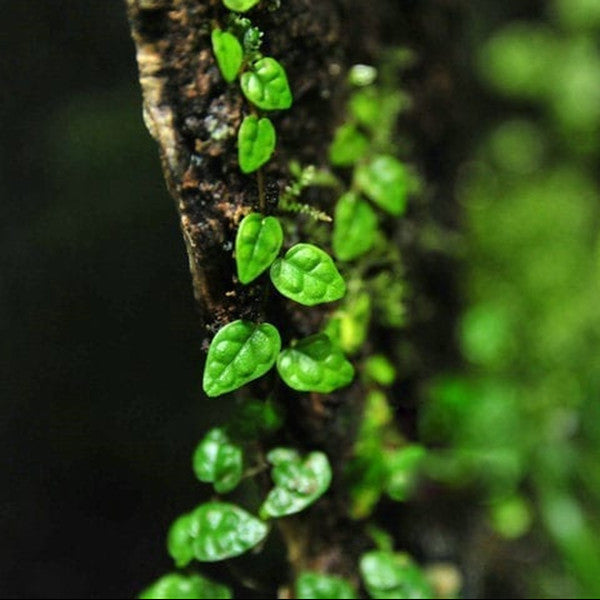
[520, 422]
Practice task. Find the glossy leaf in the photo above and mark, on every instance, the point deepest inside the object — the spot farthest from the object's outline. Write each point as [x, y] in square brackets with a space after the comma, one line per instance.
[257, 245]
[354, 227]
[214, 531]
[348, 146]
[256, 143]
[228, 52]
[385, 181]
[176, 586]
[307, 275]
[218, 461]
[266, 85]
[180, 541]
[317, 586]
[240, 5]
[239, 353]
[315, 364]
[389, 576]
[298, 482]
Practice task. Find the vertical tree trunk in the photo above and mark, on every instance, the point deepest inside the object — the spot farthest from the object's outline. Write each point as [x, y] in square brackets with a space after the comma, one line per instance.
[194, 116]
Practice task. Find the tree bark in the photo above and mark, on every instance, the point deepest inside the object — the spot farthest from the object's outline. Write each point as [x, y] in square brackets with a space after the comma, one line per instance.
[194, 117]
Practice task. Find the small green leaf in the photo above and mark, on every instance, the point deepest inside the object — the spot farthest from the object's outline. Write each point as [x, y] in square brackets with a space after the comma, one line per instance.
[176, 586]
[349, 326]
[402, 465]
[348, 146]
[256, 143]
[180, 541]
[298, 483]
[315, 364]
[380, 370]
[307, 275]
[354, 227]
[266, 86]
[385, 181]
[217, 460]
[240, 5]
[317, 586]
[229, 53]
[214, 531]
[257, 245]
[224, 530]
[390, 576]
[255, 418]
[239, 353]
[362, 75]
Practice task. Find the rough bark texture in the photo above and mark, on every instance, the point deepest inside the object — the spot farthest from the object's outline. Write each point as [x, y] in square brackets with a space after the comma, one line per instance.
[194, 116]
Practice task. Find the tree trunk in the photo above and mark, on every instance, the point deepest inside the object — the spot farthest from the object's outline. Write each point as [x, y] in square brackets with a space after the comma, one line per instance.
[194, 116]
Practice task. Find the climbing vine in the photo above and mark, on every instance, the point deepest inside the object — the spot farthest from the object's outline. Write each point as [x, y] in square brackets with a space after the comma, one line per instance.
[371, 185]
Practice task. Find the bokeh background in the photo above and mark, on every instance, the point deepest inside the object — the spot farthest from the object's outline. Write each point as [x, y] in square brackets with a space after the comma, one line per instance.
[100, 366]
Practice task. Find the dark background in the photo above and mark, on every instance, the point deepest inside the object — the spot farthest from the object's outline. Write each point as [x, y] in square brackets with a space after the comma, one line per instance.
[100, 366]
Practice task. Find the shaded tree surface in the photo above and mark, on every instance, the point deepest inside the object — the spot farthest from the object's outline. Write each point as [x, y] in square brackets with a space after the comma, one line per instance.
[186, 101]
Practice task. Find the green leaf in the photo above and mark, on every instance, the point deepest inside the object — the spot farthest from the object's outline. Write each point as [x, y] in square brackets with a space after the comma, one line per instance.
[385, 181]
[380, 370]
[315, 364]
[307, 275]
[348, 146]
[402, 465]
[298, 483]
[229, 53]
[256, 143]
[217, 460]
[317, 586]
[349, 326]
[239, 353]
[176, 586]
[266, 86]
[390, 576]
[255, 418]
[214, 531]
[257, 245]
[240, 5]
[354, 227]
[179, 541]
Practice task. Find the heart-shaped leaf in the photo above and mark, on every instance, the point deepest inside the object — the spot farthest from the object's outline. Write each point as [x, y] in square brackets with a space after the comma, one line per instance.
[307, 275]
[218, 461]
[315, 364]
[256, 143]
[348, 146]
[354, 227]
[266, 85]
[229, 53]
[390, 575]
[240, 5]
[257, 245]
[180, 541]
[385, 181]
[176, 586]
[214, 531]
[239, 353]
[298, 482]
[316, 586]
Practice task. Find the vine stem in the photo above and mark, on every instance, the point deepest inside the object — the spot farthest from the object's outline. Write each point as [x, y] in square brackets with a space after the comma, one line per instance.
[260, 178]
